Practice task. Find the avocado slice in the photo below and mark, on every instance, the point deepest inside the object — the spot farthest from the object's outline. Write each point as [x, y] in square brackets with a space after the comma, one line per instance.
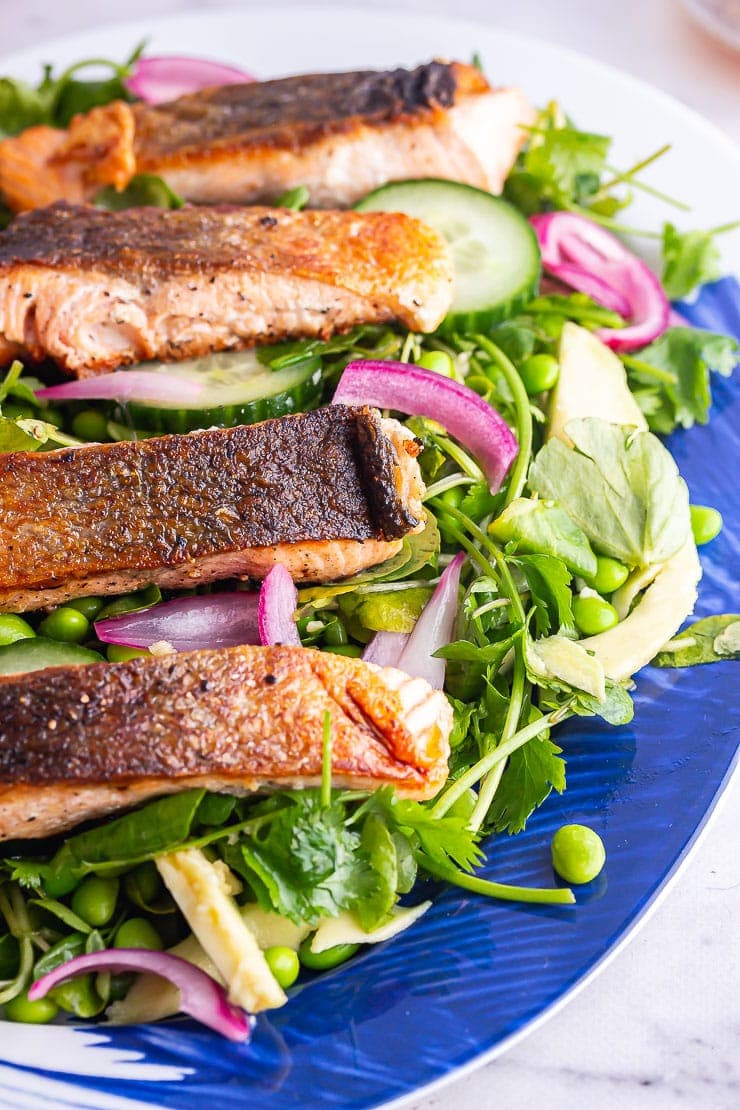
[592, 382]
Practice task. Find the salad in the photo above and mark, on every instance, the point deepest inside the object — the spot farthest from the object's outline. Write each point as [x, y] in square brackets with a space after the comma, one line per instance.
[538, 588]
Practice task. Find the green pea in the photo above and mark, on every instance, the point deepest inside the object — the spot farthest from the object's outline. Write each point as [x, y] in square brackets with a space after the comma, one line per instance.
[578, 853]
[88, 606]
[119, 653]
[610, 575]
[284, 964]
[335, 634]
[439, 362]
[330, 957]
[65, 624]
[90, 425]
[39, 1012]
[137, 932]
[143, 884]
[706, 523]
[13, 627]
[95, 900]
[539, 373]
[350, 651]
[593, 615]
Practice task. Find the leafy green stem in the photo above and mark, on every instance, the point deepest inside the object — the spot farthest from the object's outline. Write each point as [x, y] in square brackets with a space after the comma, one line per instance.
[557, 896]
[490, 782]
[487, 762]
[518, 476]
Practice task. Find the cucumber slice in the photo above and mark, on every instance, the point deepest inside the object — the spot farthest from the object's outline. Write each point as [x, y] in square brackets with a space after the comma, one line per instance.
[37, 653]
[238, 389]
[494, 248]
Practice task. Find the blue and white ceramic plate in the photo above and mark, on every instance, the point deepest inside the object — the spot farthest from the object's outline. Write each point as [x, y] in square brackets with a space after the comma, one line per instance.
[472, 973]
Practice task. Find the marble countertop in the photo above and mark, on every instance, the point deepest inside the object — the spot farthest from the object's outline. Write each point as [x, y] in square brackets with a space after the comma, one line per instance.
[659, 1027]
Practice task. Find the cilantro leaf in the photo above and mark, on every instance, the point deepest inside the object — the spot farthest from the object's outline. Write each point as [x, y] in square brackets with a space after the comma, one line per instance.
[307, 863]
[689, 259]
[548, 579]
[561, 165]
[446, 840]
[531, 773]
[671, 377]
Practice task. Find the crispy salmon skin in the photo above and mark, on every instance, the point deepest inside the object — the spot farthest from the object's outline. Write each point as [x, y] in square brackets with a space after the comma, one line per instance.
[81, 742]
[325, 493]
[94, 290]
[339, 134]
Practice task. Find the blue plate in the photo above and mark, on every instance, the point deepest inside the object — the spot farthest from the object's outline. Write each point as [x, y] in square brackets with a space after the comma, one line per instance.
[473, 972]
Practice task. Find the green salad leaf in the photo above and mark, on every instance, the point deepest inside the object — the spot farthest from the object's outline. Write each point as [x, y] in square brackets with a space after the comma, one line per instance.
[541, 527]
[533, 771]
[690, 258]
[671, 377]
[143, 189]
[620, 486]
[307, 863]
[710, 640]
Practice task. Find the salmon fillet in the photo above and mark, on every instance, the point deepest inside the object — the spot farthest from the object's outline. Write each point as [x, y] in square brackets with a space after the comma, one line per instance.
[325, 493]
[81, 742]
[339, 134]
[95, 290]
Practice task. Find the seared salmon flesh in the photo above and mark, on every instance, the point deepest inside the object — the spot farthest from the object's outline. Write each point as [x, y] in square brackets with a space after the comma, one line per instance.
[81, 742]
[325, 493]
[339, 134]
[94, 290]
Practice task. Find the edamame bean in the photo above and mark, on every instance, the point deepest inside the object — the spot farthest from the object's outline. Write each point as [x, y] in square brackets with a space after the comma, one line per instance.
[137, 932]
[593, 615]
[438, 361]
[706, 523]
[330, 957]
[88, 606]
[284, 964]
[65, 624]
[95, 900]
[610, 575]
[39, 1012]
[13, 627]
[91, 425]
[539, 373]
[335, 634]
[350, 651]
[143, 884]
[119, 653]
[578, 853]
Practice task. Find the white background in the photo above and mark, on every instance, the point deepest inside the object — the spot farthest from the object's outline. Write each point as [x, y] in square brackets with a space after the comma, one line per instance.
[660, 1027]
